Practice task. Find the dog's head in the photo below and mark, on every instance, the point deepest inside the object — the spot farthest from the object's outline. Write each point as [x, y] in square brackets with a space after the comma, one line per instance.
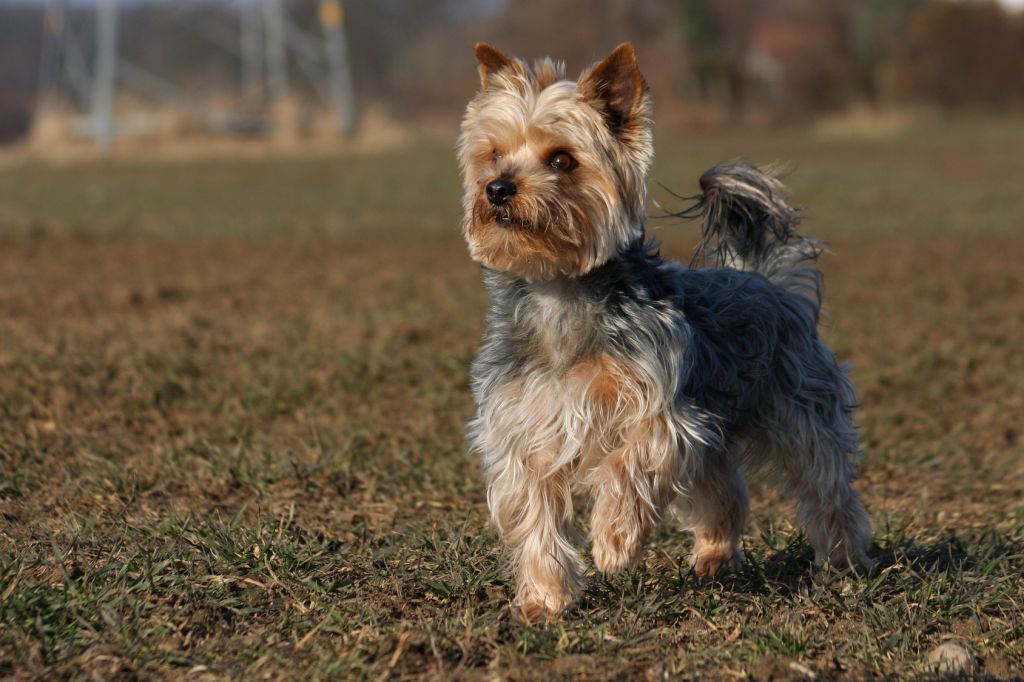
[554, 170]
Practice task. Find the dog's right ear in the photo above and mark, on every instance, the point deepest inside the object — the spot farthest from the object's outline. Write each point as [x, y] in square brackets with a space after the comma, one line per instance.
[491, 62]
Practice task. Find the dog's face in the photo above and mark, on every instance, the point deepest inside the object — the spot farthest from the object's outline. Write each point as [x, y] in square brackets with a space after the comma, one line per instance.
[554, 170]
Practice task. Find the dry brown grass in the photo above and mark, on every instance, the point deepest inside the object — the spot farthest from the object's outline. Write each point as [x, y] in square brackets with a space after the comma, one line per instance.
[231, 408]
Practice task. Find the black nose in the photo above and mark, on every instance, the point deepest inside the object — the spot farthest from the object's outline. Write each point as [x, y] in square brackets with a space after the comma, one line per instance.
[499, 191]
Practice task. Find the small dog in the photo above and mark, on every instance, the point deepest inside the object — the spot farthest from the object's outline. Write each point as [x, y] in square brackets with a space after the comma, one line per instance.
[607, 371]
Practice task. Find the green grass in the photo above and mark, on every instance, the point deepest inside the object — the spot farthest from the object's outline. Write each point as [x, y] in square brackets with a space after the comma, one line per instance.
[232, 397]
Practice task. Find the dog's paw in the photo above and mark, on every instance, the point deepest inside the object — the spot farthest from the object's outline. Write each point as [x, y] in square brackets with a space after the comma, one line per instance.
[711, 560]
[612, 553]
[533, 608]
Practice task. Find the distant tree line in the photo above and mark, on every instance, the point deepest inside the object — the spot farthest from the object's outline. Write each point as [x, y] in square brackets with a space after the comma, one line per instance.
[799, 57]
[779, 59]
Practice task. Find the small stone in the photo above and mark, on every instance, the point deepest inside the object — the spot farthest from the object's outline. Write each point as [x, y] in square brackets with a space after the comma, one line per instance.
[802, 670]
[951, 657]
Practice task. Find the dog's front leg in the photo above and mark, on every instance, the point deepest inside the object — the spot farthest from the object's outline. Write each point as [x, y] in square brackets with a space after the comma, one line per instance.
[631, 488]
[532, 508]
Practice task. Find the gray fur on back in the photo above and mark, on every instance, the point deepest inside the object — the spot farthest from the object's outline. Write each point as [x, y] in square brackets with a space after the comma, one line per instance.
[749, 343]
[749, 322]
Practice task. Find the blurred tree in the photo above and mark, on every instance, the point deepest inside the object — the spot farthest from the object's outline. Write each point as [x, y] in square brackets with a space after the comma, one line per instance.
[702, 33]
[956, 54]
[717, 34]
[813, 49]
[875, 26]
[20, 38]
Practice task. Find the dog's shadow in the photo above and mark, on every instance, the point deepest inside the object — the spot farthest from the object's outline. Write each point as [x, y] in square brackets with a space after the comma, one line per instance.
[902, 563]
[907, 559]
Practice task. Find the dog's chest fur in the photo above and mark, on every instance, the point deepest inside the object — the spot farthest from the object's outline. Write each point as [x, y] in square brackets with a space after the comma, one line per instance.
[571, 379]
[563, 330]
[556, 378]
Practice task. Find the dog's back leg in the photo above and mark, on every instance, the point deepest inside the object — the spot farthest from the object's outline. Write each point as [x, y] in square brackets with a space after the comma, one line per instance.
[714, 505]
[813, 445]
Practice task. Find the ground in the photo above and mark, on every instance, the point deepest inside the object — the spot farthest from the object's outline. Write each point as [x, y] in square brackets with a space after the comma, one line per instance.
[232, 397]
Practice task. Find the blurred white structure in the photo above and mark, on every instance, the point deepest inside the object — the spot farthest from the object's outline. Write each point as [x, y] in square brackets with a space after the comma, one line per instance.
[267, 43]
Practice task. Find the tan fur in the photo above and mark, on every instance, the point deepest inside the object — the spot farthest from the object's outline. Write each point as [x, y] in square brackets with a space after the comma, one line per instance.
[624, 459]
[519, 117]
[628, 494]
[717, 511]
[603, 380]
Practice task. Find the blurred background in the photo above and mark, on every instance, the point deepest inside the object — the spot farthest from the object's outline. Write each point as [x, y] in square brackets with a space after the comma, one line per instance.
[237, 315]
[381, 70]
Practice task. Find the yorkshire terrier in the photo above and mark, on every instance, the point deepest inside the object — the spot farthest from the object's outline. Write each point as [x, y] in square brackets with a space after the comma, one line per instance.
[610, 372]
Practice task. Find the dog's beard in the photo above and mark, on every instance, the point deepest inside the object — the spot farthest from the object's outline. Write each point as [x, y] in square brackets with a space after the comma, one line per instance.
[508, 216]
[528, 238]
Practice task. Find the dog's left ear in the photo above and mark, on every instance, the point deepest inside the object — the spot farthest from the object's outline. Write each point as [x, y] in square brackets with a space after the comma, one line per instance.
[616, 87]
[491, 62]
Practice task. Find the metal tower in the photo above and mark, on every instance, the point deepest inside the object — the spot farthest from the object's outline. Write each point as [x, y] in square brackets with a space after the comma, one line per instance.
[267, 44]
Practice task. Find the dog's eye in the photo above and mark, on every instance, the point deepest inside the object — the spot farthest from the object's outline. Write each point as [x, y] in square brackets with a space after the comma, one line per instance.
[495, 154]
[562, 162]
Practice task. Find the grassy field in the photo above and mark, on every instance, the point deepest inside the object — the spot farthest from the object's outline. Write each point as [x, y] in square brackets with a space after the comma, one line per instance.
[232, 397]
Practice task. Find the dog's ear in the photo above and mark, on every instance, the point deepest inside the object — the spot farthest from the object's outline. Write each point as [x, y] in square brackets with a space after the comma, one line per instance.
[615, 87]
[491, 62]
